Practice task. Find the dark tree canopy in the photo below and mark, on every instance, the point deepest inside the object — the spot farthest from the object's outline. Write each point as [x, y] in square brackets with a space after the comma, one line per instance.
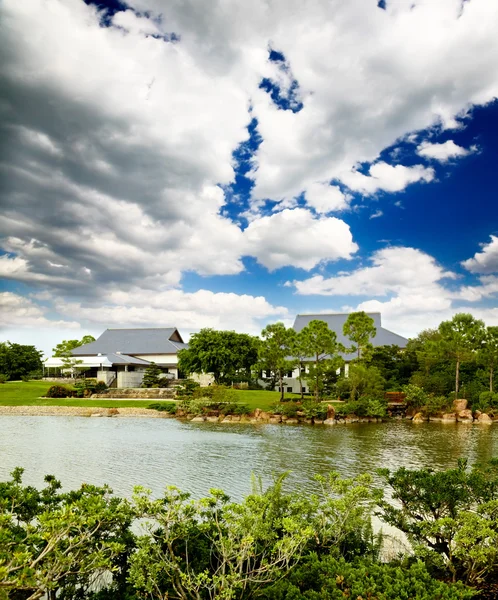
[19, 360]
[359, 328]
[225, 354]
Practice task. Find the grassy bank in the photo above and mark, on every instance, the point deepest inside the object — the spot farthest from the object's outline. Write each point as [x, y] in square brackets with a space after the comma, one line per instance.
[28, 393]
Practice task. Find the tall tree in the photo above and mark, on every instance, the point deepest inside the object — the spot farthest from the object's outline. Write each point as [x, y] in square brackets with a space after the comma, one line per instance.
[359, 328]
[275, 351]
[319, 343]
[18, 360]
[225, 354]
[299, 350]
[460, 340]
[66, 346]
[488, 354]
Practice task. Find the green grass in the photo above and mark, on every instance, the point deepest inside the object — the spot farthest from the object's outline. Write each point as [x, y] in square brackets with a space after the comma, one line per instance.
[27, 393]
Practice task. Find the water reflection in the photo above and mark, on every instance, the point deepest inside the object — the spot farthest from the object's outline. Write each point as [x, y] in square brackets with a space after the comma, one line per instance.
[196, 457]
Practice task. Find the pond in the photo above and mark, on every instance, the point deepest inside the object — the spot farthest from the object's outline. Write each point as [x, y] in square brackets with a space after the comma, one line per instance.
[124, 452]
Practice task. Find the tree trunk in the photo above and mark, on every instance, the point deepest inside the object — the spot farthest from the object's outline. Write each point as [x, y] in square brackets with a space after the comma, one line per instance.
[491, 378]
[317, 396]
[457, 377]
[281, 381]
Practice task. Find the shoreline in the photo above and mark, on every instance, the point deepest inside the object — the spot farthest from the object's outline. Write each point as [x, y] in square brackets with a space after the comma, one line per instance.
[81, 411]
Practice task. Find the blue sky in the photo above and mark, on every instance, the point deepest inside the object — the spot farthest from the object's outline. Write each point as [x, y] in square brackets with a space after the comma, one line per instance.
[176, 165]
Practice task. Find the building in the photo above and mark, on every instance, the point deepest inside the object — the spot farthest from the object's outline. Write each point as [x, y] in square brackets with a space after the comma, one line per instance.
[335, 322]
[120, 356]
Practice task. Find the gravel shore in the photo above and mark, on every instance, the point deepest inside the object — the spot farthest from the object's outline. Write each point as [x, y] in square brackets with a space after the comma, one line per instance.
[80, 411]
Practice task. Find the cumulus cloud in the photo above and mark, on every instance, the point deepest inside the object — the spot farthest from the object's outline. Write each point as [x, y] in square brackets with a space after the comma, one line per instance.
[443, 152]
[393, 269]
[386, 177]
[485, 261]
[295, 237]
[325, 198]
[19, 311]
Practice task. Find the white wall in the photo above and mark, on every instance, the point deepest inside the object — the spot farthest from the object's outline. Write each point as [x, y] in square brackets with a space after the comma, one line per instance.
[130, 379]
[160, 359]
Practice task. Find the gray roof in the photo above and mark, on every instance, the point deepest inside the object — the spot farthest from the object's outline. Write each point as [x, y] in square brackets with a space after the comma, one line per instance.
[134, 341]
[336, 321]
[124, 359]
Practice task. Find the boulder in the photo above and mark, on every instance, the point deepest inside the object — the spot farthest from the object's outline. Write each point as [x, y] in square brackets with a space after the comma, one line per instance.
[460, 405]
[318, 421]
[264, 416]
[227, 419]
[449, 418]
[465, 416]
[419, 418]
[484, 418]
[292, 421]
[235, 418]
[351, 419]
[329, 422]
[212, 419]
[275, 419]
[330, 411]
[198, 419]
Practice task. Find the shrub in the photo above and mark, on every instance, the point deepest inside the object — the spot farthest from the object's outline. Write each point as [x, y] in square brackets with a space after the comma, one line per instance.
[314, 410]
[3, 378]
[216, 393]
[436, 405]
[187, 388]
[364, 407]
[59, 391]
[100, 386]
[152, 376]
[415, 396]
[83, 388]
[169, 407]
[287, 409]
[487, 401]
[25, 378]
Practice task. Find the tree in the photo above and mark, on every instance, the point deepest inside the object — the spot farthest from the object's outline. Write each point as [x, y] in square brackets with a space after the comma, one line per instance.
[488, 353]
[320, 343]
[225, 354]
[460, 339]
[66, 346]
[19, 360]
[274, 352]
[152, 376]
[359, 328]
[299, 353]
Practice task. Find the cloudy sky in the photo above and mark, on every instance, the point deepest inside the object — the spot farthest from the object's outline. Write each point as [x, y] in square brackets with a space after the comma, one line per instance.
[228, 164]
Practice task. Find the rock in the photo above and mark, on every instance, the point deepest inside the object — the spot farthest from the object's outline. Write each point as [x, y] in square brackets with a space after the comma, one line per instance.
[329, 422]
[96, 415]
[227, 419]
[477, 414]
[291, 421]
[330, 412]
[198, 419]
[449, 418]
[351, 419]
[264, 416]
[235, 418]
[484, 418]
[257, 413]
[419, 418]
[275, 419]
[465, 416]
[212, 419]
[308, 421]
[318, 421]
[460, 405]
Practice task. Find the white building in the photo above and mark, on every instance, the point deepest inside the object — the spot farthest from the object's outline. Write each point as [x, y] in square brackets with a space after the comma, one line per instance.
[120, 356]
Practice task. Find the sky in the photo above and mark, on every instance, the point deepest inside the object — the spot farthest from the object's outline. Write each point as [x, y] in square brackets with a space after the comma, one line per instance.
[230, 164]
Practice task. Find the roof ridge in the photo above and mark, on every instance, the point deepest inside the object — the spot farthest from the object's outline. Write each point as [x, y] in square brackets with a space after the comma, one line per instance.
[137, 328]
[333, 314]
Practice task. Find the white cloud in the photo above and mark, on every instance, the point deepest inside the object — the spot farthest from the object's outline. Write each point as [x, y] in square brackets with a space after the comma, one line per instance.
[394, 269]
[376, 214]
[443, 152]
[19, 311]
[485, 261]
[295, 237]
[325, 198]
[386, 177]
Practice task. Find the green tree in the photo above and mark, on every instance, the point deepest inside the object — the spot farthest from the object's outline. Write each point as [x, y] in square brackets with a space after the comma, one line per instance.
[225, 354]
[460, 340]
[18, 360]
[359, 328]
[394, 364]
[152, 376]
[365, 382]
[55, 544]
[320, 344]
[298, 351]
[66, 346]
[274, 352]
[488, 353]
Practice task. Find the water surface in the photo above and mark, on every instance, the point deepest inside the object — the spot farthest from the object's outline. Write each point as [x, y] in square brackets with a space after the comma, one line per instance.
[124, 452]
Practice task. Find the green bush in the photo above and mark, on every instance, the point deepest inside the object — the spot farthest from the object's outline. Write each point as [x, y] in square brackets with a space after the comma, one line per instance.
[100, 386]
[216, 393]
[286, 409]
[59, 391]
[436, 405]
[314, 410]
[488, 401]
[364, 407]
[415, 396]
[84, 388]
[333, 578]
[187, 388]
[206, 406]
[169, 407]
[3, 378]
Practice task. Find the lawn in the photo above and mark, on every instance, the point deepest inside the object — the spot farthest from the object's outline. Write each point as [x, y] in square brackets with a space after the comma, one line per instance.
[28, 393]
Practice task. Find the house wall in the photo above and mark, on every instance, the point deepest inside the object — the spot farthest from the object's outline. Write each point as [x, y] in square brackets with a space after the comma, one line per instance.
[130, 379]
[165, 360]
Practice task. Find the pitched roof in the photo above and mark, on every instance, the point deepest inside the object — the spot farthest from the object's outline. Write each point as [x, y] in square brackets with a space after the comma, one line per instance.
[160, 340]
[336, 321]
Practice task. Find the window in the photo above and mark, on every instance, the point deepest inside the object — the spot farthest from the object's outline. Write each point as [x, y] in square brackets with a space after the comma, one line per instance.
[289, 389]
[289, 373]
[304, 390]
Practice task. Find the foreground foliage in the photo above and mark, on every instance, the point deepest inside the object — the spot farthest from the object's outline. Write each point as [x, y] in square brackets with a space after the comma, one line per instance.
[275, 544]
